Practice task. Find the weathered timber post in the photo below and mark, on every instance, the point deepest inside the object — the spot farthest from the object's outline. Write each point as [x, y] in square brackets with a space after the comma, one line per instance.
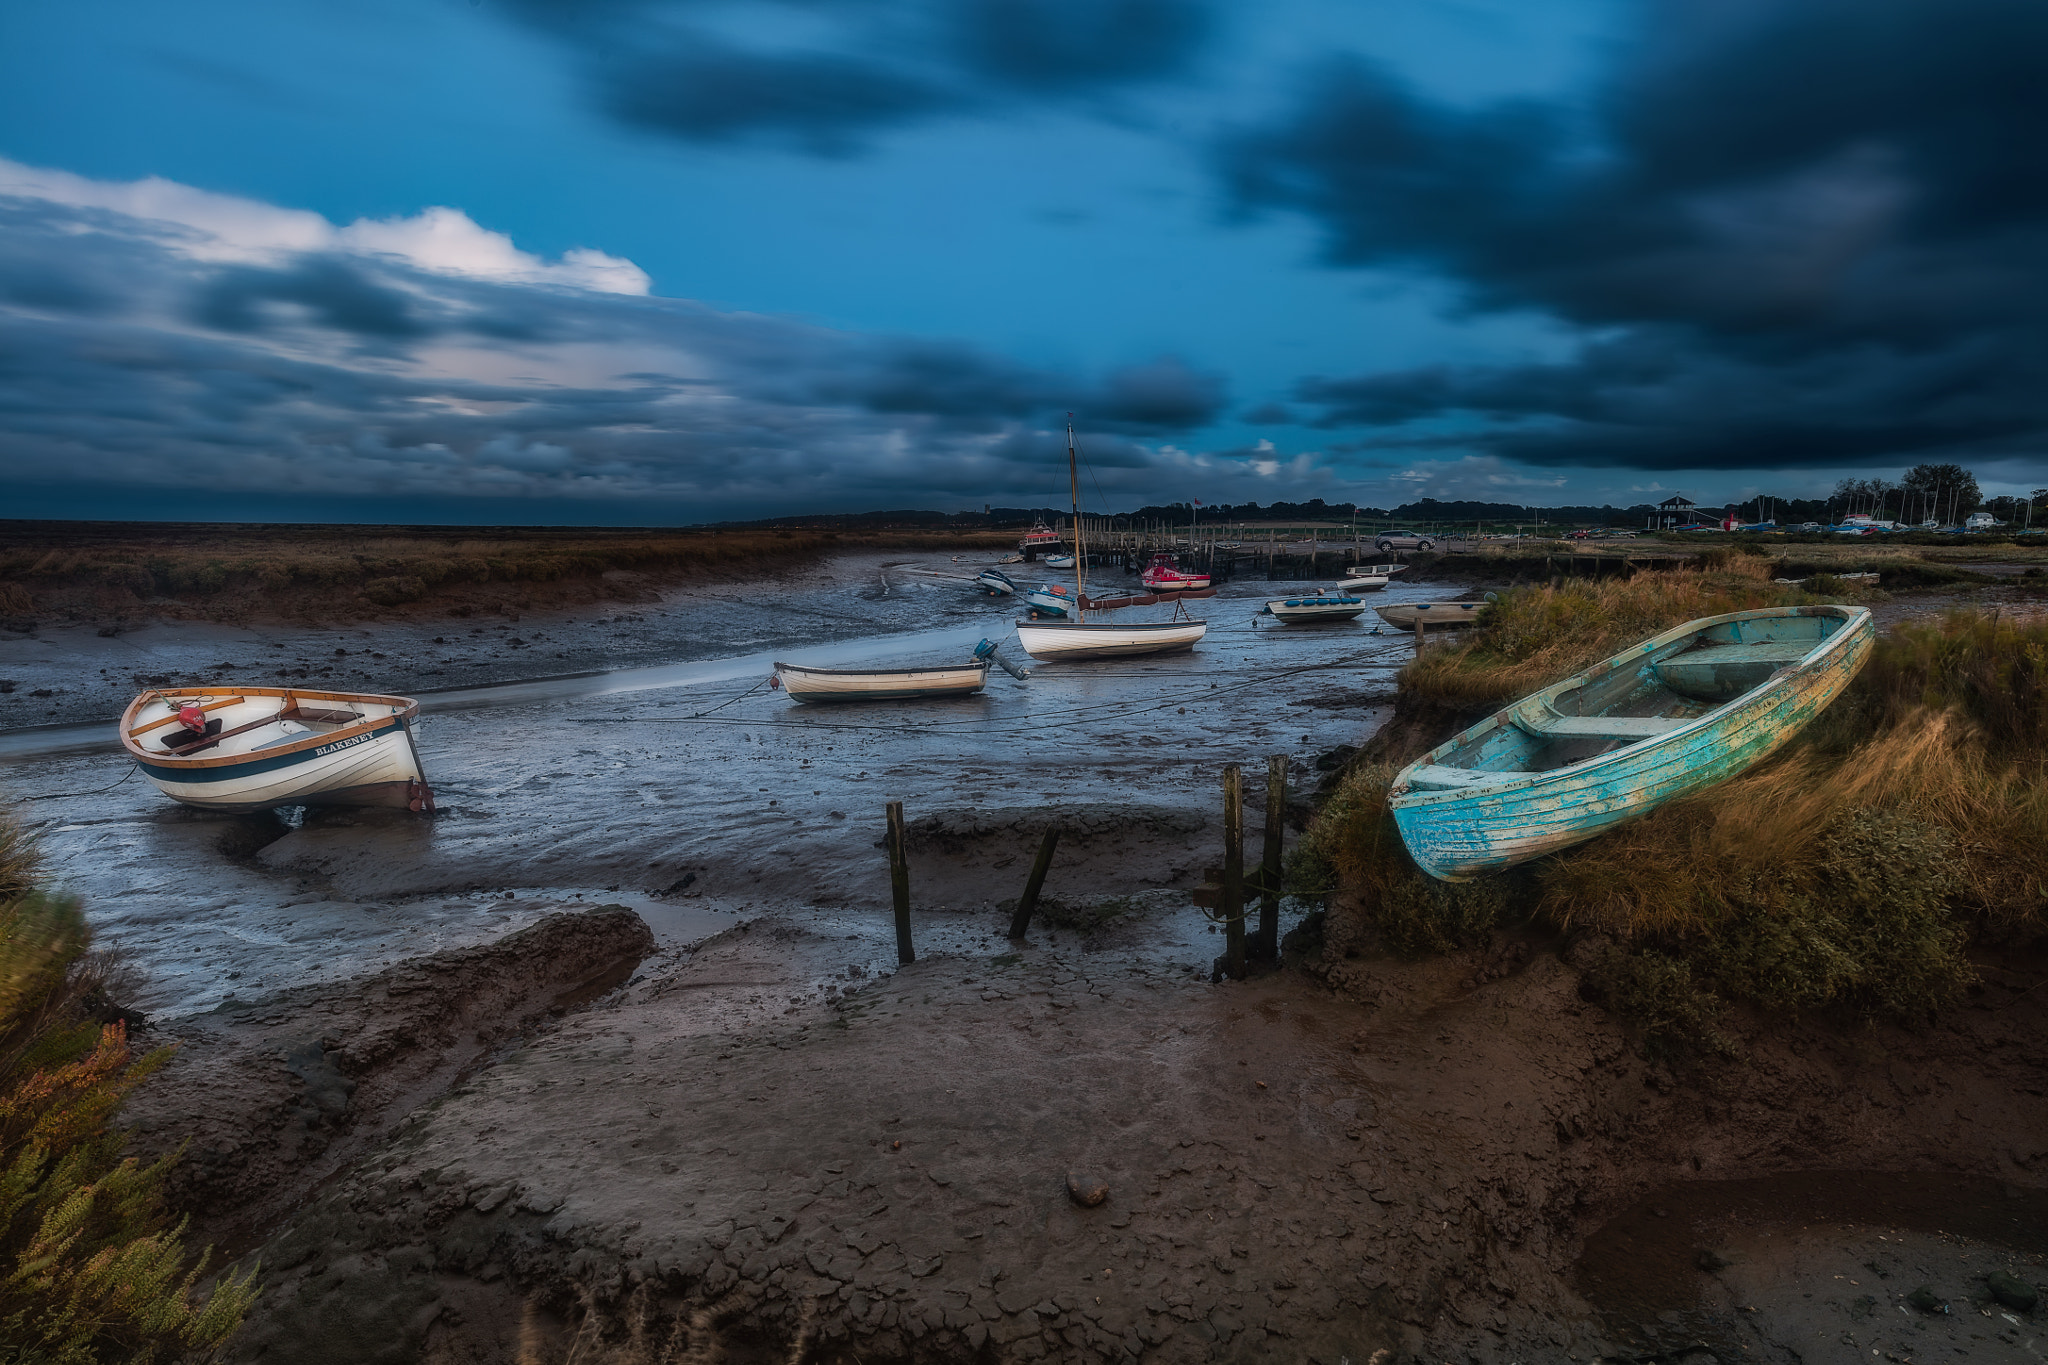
[1421, 628]
[1022, 919]
[1268, 948]
[1231, 906]
[899, 884]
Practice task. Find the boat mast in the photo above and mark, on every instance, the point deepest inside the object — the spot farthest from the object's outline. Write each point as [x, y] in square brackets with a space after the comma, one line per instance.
[1080, 551]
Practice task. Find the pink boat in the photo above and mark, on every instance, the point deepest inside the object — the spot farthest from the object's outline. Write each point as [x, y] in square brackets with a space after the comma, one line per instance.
[1163, 574]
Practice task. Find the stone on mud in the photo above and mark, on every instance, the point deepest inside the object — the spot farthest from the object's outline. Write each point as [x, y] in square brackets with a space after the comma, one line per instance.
[1087, 1190]
[2012, 1291]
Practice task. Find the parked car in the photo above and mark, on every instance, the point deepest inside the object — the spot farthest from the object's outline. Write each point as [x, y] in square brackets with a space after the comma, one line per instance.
[1579, 535]
[1404, 540]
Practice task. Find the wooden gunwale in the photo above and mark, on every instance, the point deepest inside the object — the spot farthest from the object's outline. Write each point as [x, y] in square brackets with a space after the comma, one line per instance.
[406, 710]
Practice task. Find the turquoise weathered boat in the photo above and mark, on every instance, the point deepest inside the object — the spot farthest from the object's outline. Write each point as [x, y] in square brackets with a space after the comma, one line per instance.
[1679, 712]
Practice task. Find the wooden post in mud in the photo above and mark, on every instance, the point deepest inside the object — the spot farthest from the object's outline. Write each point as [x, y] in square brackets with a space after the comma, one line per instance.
[1021, 921]
[1268, 947]
[899, 884]
[1421, 629]
[1231, 905]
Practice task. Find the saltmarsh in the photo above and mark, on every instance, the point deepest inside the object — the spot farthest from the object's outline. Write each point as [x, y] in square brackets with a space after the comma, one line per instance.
[1855, 869]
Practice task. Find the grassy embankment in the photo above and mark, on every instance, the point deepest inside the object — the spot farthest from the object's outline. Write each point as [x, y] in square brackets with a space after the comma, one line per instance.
[1854, 869]
[95, 1267]
[120, 573]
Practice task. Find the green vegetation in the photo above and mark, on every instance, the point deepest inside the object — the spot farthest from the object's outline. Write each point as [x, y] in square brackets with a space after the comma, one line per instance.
[92, 1267]
[1853, 870]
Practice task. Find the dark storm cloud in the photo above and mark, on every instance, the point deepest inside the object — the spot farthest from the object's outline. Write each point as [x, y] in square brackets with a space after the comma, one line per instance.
[666, 68]
[1805, 232]
[329, 372]
[335, 293]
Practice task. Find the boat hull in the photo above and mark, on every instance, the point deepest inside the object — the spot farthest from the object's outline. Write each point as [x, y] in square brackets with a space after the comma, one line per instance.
[1404, 615]
[1460, 833]
[849, 684]
[1049, 601]
[1101, 640]
[995, 583]
[1304, 609]
[1372, 583]
[373, 762]
[1172, 580]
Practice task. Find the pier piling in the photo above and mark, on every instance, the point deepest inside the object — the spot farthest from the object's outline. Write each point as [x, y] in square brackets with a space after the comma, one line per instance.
[1232, 902]
[899, 884]
[1268, 947]
[1021, 921]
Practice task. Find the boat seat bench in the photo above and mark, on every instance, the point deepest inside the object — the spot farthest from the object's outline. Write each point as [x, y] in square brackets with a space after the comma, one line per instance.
[1601, 727]
[1762, 652]
[1439, 777]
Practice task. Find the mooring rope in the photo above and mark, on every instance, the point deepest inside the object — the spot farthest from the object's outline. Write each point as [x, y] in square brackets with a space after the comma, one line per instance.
[133, 768]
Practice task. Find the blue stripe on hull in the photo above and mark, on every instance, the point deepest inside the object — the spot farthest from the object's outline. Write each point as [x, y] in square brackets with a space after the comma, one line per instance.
[228, 772]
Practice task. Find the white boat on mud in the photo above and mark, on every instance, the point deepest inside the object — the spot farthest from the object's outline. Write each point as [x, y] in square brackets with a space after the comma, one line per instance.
[881, 684]
[1051, 600]
[252, 748]
[1320, 606]
[995, 583]
[1370, 583]
[1059, 561]
[1107, 640]
[1374, 570]
[1405, 615]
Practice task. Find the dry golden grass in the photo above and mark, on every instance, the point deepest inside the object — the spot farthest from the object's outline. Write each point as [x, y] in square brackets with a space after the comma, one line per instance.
[1853, 869]
[1533, 637]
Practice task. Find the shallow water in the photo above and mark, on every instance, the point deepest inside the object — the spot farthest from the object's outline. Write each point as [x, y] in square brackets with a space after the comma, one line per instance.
[688, 789]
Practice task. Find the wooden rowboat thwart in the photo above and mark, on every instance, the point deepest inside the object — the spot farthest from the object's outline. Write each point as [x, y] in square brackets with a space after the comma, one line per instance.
[239, 749]
[881, 684]
[1681, 711]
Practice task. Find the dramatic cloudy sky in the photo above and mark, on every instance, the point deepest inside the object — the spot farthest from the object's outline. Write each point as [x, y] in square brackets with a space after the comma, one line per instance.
[650, 260]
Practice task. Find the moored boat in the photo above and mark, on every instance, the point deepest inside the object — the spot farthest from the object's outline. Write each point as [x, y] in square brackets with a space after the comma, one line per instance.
[1040, 537]
[1683, 710]
[1374, 570]
[995, 583]
[1107, 640]
[1317, 607]
[1164, 574]
[1059, 561]
[239, 749]
[881, 684]
[1370, 583]
[1051, 599]
[1404, 615]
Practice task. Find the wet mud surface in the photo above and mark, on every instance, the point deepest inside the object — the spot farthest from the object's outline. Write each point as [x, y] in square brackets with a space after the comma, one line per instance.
[471, 1115]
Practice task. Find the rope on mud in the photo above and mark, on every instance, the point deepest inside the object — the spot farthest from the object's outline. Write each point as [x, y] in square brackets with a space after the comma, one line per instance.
[736, 697]
[133, 768]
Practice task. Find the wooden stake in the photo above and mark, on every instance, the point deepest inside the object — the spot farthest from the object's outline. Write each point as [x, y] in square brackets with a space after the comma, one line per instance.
[899, 884]
[1231, 905]
[1032, 885]
[1268, 949]
[1420, 627]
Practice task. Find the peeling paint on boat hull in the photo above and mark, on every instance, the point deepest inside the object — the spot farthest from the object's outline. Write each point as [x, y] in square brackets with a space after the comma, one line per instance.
[1455, 835]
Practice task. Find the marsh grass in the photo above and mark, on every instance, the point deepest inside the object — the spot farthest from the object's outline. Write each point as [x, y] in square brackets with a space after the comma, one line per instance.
[111, 571]
[1854, 869]
[1536, 636]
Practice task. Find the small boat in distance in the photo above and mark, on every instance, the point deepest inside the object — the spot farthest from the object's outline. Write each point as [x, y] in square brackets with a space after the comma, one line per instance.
[1319, 607]
[239, 749]
[1681, 711]
[1061, 561]
[995, 583]
[881, 684]
[1040, 537]
[1164, 574]
[1375, 570]
[1404, 615]
[1370, 583]
[1052, 599]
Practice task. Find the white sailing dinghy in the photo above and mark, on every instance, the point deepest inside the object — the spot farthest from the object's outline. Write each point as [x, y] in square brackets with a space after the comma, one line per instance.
[240, 749]
[1075, 637]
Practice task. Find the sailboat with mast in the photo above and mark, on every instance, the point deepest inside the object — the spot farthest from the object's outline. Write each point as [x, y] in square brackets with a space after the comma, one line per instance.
[1074, 636]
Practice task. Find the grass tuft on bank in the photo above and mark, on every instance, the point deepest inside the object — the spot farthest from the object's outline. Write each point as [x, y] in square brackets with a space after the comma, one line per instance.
[1854, 870]
[93, 1267]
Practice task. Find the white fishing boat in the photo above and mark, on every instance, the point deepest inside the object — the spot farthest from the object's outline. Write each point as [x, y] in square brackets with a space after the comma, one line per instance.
[1318, 607]
[995, 583]
[1107, 640]
[252, 748]
[1073, 637]
[1375, 570]
[1370, 583]
[1059, 561]
[1404, 615]
[880, 684]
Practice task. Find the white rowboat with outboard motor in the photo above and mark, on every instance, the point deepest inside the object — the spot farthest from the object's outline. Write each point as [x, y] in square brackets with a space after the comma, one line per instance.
[881, 684]
[1319, 607]
[1107, 640]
